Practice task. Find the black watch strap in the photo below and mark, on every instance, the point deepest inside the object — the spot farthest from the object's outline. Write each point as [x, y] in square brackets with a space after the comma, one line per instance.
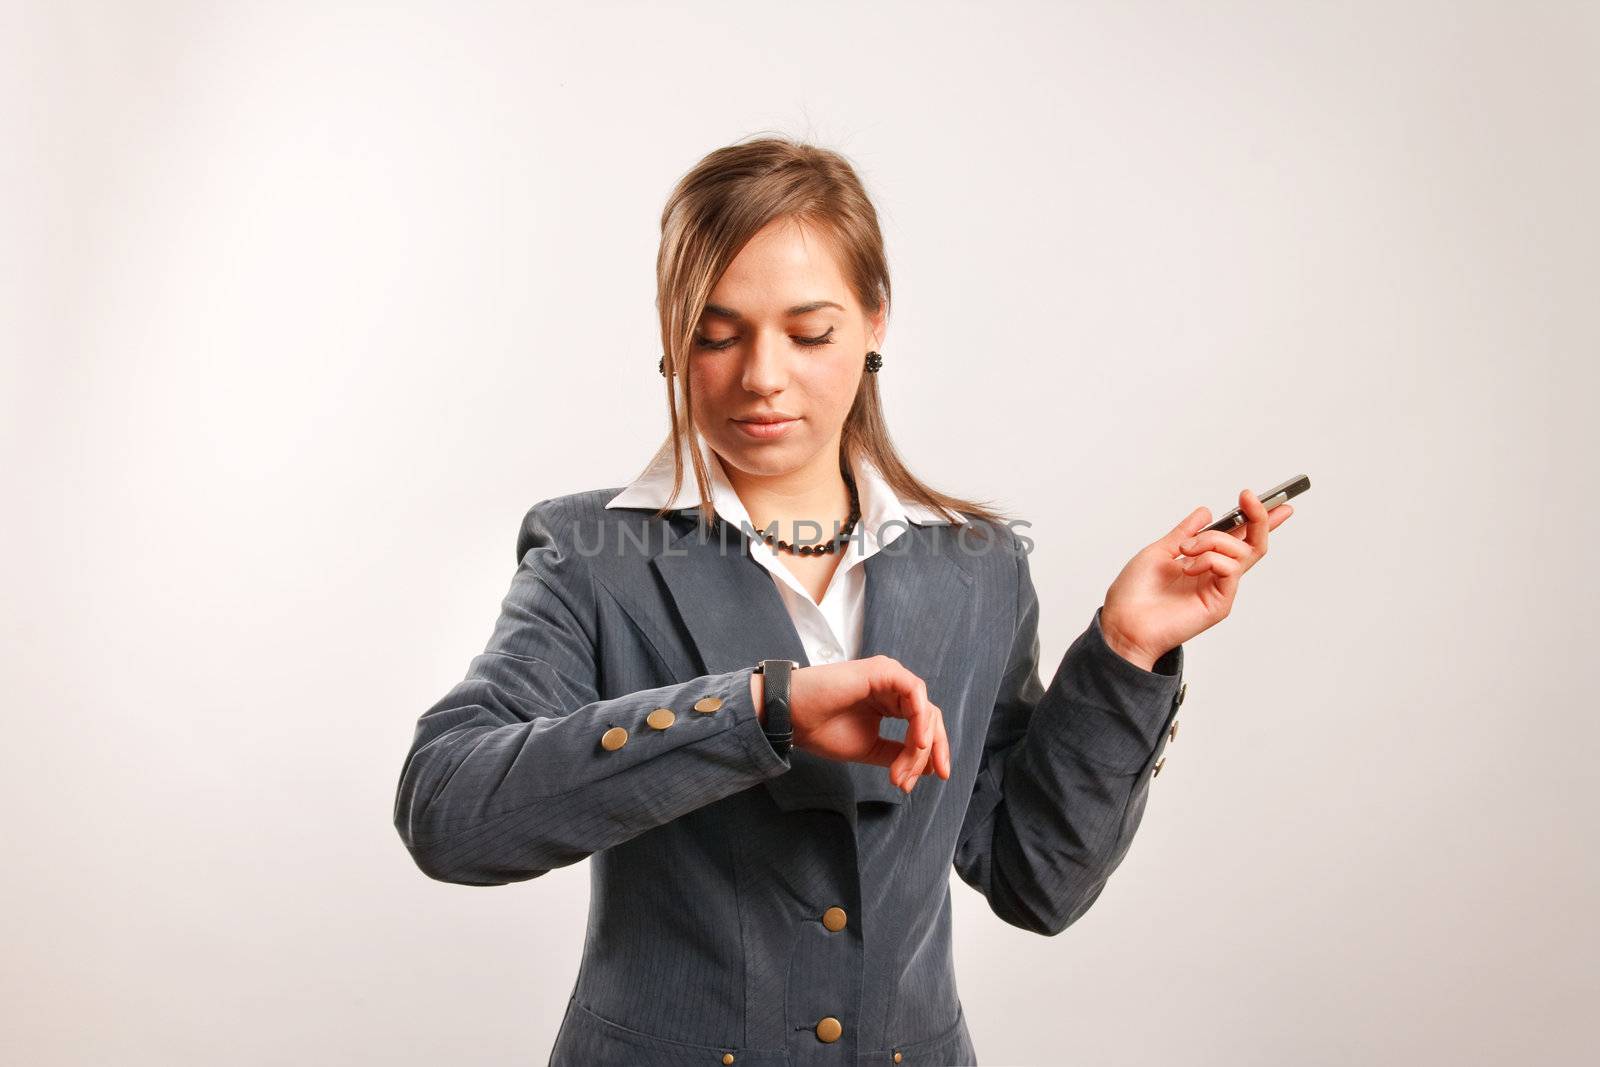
[776, 722]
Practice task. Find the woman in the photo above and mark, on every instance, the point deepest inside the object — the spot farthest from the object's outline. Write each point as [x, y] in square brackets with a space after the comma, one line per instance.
[621, 710]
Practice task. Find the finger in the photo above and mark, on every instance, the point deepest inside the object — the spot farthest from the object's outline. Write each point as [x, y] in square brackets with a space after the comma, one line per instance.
[903, 764]
[1223, 572]
[907, 759]
[920, 762]
[899, 692]
[1255, 515]
[917, 710]
[894, 691]
[930, 760]
[1215, 563]
[888, 755]
[1275, 519]
[941, 761]
[908, 700]
[926, 713]
[904, 761]
[1216, 541]
[1193, 523]
[887, 697]
[907, 764]
[920, 730]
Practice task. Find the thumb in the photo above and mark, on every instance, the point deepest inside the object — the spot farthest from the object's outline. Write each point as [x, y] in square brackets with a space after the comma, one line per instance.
[1193, 523]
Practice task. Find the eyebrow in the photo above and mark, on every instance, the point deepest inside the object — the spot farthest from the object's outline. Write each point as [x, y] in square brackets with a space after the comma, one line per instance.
[799, 309]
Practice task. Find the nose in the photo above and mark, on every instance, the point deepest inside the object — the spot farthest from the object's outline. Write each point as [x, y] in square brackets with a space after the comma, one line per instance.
[765, 371]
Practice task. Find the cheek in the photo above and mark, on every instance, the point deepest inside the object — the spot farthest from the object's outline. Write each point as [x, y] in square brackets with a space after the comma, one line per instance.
[826, 403]
[710, 382]
[840, 389]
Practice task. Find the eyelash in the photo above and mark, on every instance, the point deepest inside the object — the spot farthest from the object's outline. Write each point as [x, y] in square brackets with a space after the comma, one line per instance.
[808, 342]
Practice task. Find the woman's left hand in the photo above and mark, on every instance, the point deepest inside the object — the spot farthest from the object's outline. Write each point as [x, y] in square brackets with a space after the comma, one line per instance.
[1184, 583]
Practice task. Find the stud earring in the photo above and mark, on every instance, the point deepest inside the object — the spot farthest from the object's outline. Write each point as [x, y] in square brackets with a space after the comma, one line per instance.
[874, 361]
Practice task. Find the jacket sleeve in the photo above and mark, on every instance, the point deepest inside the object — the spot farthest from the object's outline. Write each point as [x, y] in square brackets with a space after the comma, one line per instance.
[508, 777]
[1065, 772]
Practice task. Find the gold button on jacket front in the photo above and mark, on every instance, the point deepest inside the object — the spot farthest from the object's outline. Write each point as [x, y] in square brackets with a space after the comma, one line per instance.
[834, 919]
[829, 1029]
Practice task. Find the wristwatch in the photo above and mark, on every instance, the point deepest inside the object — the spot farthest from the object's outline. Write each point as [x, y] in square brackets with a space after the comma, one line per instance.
[775, 701]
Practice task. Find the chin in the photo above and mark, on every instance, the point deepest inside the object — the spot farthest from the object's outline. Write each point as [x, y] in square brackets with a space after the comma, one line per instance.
[762, 460]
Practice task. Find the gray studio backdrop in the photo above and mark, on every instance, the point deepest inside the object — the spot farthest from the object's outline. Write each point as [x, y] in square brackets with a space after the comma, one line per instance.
[305, 304]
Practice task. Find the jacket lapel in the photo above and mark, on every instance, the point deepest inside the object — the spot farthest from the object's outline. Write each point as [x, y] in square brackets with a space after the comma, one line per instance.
[913, 597]
[735, 618]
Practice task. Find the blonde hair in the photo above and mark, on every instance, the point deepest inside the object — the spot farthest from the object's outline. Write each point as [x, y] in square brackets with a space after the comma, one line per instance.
[712, 212]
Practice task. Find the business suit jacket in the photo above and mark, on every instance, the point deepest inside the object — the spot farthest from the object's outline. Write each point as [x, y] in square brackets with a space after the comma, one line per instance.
[748, 908]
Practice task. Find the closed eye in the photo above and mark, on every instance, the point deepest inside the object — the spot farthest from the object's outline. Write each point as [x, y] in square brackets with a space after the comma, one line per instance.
[807, 342]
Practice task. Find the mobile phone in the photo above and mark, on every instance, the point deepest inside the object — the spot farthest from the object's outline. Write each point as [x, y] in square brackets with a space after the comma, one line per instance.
[1269, 500]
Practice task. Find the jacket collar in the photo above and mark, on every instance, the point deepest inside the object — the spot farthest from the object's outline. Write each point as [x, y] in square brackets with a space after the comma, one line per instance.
[881, 508]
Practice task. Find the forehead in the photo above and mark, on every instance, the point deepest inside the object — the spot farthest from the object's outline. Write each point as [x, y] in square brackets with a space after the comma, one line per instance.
[785, 263]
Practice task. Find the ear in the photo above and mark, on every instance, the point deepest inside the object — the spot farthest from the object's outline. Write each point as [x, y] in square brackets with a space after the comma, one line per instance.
[877, 325]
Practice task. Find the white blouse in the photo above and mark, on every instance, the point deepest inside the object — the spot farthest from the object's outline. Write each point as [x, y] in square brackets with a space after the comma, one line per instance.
[830, 629]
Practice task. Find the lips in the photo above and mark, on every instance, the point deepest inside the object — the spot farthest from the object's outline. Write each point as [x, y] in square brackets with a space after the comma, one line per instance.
[765, 427]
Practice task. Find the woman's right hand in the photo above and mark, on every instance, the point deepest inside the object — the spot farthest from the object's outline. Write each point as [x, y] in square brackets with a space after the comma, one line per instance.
[835, 710]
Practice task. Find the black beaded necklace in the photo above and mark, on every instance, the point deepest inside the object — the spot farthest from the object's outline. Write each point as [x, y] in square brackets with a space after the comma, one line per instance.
[826, 547]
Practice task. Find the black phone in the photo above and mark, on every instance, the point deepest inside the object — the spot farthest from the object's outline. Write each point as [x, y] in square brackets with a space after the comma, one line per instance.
[1269, 500]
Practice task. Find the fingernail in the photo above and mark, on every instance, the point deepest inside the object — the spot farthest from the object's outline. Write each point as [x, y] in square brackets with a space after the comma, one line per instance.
[1190, 543]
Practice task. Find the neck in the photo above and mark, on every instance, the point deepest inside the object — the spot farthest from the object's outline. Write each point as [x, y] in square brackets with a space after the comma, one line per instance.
[816, 492]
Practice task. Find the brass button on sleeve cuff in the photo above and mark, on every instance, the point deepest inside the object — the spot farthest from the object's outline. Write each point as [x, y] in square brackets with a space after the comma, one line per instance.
[897, 1055]
[614, 738]
[1172, 734]
[1183, 691]
[727, 1057]
[661, 718]
[708, 704]
[829, 1029]
[1159, 764]
[834, 919]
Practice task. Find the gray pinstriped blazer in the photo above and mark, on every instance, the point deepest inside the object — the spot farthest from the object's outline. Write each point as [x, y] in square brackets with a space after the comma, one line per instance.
[712, 859]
